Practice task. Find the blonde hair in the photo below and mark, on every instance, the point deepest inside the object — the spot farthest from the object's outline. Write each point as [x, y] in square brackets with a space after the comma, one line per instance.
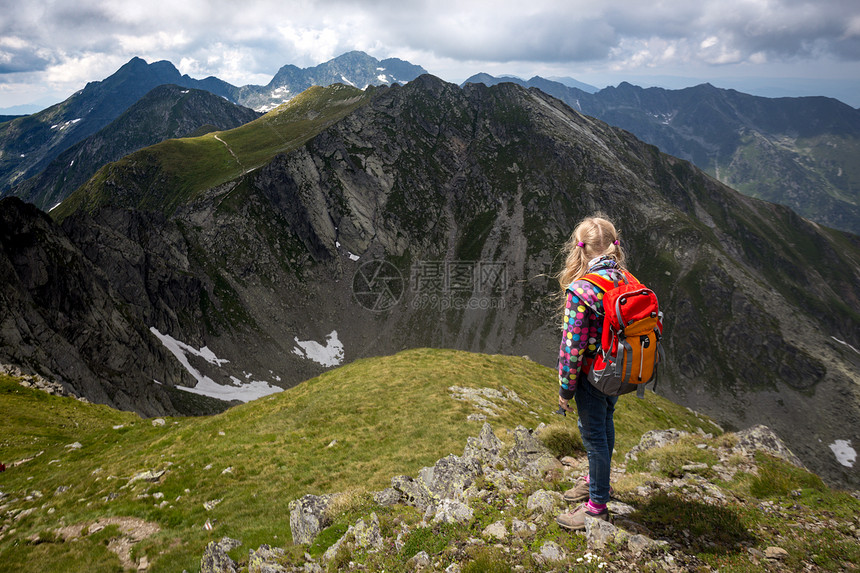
[594, 236]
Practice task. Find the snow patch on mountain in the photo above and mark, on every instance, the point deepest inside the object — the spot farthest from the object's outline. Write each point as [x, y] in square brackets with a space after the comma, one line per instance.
[845, 454]
[206, 386]
[329, 355]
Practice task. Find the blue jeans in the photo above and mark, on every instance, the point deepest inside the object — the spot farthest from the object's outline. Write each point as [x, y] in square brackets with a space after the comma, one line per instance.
[597, 428]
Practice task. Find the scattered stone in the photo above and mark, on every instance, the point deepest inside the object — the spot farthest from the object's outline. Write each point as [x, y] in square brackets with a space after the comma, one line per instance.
[449, 477]
[37, 382]
[551, 552]
[530, 456]
[453, 511]
[496, 531]
[209, 505]
[387, 497]
[368, 534]
[485, 449]
[265, 560]
[619, 508]
[476, 417]
[639, 544]
[544, 502]
[775, 553]
[75, 446]
[413, 493]
[523, 528]
[419, 562]
[599, 533]
[442, 493]
[694, 467]
[158, 422]
[479, 398]
[151, 476]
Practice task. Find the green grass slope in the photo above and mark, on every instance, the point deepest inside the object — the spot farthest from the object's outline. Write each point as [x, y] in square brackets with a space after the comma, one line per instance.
[349, 429]
[170, 173]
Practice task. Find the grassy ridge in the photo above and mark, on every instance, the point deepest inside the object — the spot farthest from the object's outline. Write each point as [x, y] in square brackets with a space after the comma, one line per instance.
[175, 171]
[389, 416]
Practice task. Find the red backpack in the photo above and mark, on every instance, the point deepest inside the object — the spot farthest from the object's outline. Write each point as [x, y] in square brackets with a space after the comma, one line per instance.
[630, 348]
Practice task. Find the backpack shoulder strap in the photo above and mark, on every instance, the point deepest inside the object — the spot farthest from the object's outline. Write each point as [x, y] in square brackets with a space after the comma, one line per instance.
[630, 278]
[608, 284]
[602, 283]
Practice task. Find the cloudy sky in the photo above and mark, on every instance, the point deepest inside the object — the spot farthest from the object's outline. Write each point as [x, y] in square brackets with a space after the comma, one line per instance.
[51, 48]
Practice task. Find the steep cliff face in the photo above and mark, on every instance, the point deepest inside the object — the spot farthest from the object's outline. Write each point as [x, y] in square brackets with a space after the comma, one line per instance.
[86, 325]
[433, 216]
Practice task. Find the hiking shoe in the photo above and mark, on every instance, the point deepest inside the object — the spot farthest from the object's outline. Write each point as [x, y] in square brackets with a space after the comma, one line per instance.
[579, 492]
[575, 520]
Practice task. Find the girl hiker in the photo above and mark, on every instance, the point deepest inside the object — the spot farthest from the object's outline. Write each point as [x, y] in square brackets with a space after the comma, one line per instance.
[592, 248]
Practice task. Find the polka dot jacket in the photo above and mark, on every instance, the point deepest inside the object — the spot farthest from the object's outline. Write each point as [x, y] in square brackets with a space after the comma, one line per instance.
[582, 326]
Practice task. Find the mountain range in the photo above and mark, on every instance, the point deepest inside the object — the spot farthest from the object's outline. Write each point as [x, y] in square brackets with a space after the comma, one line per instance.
[350, 223]
[799, 152]
[28, 144]
[166, 112]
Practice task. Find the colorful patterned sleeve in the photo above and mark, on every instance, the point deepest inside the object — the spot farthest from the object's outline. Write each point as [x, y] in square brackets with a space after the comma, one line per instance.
[579, 334]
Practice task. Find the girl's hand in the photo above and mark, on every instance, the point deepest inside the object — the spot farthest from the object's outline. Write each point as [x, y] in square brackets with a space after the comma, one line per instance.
[564, 404]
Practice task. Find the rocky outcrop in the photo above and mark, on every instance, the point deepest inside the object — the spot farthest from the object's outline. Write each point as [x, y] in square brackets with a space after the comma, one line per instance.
[216, 560]
[308, 516]
[442, 499]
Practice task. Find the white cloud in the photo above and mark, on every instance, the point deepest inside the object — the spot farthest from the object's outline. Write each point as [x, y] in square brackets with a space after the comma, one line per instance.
[143, 43]
[66, 42]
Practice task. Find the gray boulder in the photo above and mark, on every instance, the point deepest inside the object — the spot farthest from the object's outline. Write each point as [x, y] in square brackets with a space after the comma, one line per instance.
[411, 492]
[387, 497]
[265, 560]
[309, 516]
[544, 502]
[530, 456]
[550, 552]
[599, 533]
[215, 558]
[655, 439]
[449, 477]
[485, 449]
[453, 511]
[763, 438]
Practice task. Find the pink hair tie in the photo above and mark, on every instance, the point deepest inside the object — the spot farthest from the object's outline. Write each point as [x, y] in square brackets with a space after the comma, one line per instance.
[616, 242]
[580, 244]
